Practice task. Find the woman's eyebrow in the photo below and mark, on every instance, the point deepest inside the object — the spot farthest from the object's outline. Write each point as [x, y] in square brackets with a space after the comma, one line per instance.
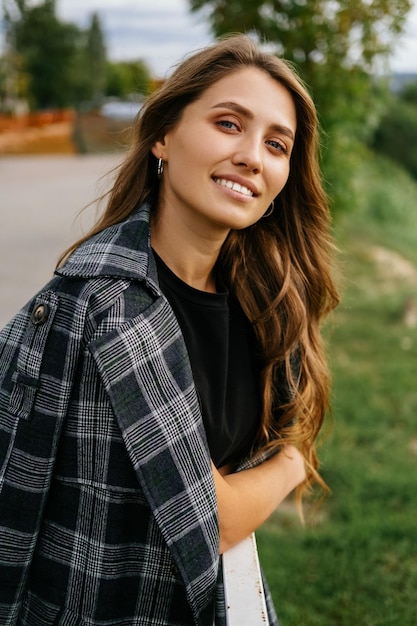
[234, 106]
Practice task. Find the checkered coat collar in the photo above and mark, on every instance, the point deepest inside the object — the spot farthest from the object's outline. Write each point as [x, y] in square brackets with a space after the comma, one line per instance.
[121, 251]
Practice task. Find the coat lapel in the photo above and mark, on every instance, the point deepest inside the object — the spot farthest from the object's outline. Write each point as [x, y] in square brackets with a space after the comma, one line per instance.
[145, 369]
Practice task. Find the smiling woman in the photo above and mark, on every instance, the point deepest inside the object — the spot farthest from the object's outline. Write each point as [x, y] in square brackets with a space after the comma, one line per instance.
[162, 395]
[225, 162]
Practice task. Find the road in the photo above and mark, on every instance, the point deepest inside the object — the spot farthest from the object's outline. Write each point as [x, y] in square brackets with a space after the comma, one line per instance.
[40, 199]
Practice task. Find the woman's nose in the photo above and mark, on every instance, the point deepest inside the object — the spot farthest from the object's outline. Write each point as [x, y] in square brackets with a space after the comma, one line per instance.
[249, 154]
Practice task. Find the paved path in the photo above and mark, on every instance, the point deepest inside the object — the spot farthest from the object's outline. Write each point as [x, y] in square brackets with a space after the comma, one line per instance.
[40, 198]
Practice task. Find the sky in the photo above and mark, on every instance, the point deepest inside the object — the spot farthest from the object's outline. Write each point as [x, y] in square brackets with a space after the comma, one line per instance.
[162, 32]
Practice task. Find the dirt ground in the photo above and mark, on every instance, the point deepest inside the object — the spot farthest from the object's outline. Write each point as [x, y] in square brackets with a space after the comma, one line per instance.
[40, 197]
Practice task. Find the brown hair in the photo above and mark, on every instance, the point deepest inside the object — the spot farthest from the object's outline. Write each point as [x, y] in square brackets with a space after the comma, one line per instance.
[280, 267]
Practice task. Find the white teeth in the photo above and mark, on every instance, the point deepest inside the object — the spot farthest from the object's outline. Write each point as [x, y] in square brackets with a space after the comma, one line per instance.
[235, 186]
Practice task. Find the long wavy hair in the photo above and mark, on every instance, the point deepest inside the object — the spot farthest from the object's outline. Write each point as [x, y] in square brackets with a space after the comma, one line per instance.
[280, 268]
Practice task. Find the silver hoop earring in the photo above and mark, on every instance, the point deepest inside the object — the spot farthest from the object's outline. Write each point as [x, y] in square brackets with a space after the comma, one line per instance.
[160, 168]
[270, 210]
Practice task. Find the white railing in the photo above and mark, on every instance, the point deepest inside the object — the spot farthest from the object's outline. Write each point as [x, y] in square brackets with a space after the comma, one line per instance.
[244, 591]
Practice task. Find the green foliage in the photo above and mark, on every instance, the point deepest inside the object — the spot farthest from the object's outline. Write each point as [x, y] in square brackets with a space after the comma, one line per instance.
[125, 78]
[387, 196]
[355, 561]
[48, 49]
[341, 159]
[95, 54]
[334, 43]
[396, 135]
[56, 64]
[409, 93]
[317, 31]
[89, 75]
[3, 78]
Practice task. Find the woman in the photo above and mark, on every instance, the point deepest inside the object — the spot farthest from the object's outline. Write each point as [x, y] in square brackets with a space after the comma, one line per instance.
[163, 394]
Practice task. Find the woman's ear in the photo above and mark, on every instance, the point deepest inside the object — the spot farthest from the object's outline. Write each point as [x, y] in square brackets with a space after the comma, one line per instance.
[159, 150]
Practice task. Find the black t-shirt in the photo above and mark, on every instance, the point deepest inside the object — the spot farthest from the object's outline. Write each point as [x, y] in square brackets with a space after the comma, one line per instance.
[221, 346]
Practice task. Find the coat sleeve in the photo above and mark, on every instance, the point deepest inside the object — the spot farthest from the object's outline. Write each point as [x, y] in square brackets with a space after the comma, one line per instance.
[37, 359]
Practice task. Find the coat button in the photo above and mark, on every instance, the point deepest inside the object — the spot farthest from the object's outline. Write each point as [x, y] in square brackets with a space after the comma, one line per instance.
[40, 314]
[175, 571]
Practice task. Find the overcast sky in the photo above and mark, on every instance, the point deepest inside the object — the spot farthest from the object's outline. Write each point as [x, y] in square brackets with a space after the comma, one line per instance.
[162, 32]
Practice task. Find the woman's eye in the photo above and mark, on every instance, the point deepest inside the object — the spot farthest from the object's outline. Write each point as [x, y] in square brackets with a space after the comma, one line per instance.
[227, 124]
[278, 145]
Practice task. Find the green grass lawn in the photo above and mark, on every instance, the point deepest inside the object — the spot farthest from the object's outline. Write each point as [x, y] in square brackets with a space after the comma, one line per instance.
[355, 563]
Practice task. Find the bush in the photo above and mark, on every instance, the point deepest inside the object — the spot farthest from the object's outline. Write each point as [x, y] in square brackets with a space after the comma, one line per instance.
[396, 135]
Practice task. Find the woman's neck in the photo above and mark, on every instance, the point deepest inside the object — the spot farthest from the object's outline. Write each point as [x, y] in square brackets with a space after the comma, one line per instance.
[189, 255]
[192, 268]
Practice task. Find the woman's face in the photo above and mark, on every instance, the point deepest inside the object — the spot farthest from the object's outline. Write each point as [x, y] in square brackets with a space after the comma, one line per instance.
[229, 155]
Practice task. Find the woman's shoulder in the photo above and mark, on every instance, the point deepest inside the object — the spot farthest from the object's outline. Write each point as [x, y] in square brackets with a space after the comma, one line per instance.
[77, 306]
[68, 300]
[108, 277]
[118, 251]
[64, 318]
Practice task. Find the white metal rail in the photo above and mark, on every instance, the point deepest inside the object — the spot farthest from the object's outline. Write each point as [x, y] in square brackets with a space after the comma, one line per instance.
[244, 591]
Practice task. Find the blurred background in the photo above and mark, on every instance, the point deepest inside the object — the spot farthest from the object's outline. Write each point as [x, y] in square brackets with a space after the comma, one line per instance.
[73, 75]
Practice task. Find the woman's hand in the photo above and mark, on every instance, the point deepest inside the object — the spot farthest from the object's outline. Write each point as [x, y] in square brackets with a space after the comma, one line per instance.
[246, 499]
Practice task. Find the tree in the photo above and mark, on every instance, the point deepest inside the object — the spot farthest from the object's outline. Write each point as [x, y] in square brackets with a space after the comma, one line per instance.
[88, 72]
[3, 81]
[409, 93]
[396, 134]
[58, 64]
[96, 59]
[48, 48]
[14, 80]
[334, 43]
[125, 78]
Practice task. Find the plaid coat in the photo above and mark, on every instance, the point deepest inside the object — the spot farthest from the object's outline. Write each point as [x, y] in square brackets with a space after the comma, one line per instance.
[107, 503]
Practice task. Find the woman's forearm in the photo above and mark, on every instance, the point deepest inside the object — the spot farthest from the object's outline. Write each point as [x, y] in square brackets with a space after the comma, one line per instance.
[246, 499]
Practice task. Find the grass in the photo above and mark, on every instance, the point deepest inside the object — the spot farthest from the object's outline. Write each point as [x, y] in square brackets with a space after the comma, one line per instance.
[356, 563]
